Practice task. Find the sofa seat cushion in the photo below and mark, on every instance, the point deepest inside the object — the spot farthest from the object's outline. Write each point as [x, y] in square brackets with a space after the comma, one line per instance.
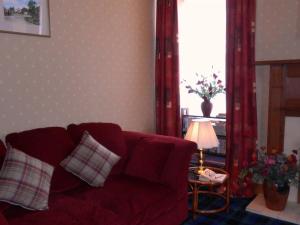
[64, 210]
[107, 134]
[133, 199]
[51, 145]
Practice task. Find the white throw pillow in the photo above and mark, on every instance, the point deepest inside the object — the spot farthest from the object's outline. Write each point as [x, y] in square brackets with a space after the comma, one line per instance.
[25, 180]
[90, 161]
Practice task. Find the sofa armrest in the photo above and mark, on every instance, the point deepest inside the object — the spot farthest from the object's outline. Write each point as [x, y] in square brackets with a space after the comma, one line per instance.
[3, 220]
[176, 167]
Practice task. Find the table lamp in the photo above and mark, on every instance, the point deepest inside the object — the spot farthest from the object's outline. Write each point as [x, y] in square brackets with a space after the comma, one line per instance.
[202, 132]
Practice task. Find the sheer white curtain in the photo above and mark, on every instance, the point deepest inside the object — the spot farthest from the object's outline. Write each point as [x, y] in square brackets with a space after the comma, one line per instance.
[202, 44]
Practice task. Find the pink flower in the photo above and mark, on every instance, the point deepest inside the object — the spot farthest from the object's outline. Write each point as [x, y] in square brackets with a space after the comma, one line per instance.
[271, 161]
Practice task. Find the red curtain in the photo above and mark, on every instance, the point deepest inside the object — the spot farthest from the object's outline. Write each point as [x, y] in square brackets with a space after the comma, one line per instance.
[241, 97]
[167, 69]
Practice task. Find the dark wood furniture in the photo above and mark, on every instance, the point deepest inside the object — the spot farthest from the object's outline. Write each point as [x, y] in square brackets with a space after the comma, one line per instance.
[200, 186]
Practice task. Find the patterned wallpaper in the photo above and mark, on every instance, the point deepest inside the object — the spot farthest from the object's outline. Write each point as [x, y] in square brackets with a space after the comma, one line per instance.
[278, 29]
[98, 65]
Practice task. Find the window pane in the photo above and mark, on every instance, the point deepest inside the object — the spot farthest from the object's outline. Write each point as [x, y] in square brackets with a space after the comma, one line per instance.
[202, 41]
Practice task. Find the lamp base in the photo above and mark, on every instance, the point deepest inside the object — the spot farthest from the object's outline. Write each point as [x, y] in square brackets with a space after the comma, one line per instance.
[201, 160]
[200, 170]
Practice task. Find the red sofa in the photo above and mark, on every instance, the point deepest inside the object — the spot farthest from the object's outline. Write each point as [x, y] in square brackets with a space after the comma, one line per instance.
[133, 193]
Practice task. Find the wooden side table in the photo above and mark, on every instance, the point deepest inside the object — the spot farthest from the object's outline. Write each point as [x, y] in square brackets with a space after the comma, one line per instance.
[196, 184]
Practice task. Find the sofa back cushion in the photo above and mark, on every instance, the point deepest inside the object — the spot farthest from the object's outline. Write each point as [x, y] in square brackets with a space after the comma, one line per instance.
[148, 158]
[2, 152]
[51, 145]
[3, 205]
[107, 134]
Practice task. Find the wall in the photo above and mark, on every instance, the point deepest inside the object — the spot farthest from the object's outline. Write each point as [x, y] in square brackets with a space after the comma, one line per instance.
[277, 29]
[277, 38]
[97, 66]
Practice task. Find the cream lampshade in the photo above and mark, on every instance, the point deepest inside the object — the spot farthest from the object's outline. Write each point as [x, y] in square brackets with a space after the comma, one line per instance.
[202, 132]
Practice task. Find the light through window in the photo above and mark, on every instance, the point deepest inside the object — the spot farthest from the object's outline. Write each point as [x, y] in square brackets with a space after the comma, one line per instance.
[202, 44]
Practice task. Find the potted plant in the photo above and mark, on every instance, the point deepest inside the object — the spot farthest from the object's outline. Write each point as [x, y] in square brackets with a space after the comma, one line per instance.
[206, 88]
[276, 172]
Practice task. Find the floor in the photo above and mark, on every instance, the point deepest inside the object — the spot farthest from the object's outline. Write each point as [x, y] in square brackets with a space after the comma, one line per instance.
[290, 214]
[235, 215]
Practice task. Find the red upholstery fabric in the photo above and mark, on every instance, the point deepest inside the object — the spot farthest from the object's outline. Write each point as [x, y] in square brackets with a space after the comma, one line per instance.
[68, 211]
[124, 200]
[170, 217]
[3, 220]
[2, 152]
[108, 134]
[148, 158]
[133, 199]
[51, 145]
[176, 168]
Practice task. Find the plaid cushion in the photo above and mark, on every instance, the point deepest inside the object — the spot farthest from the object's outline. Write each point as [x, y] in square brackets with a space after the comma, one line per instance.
[25, 180]
[90, 161]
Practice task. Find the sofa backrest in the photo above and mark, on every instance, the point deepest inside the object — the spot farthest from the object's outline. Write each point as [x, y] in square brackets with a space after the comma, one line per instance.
[51, 145]
[108, 134]
[175, 170]
[2, 152]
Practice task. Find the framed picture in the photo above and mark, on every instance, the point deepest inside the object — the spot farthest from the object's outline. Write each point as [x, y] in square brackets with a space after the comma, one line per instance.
[25, 17]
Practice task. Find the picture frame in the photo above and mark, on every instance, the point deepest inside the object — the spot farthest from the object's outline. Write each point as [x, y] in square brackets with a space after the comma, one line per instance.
[29, 17]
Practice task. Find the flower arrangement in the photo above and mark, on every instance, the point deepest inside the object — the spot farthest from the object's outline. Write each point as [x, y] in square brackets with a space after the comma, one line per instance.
[280, 169]
[206, 87]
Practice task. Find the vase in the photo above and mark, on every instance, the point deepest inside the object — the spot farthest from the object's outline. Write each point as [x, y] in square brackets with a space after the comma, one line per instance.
[275, 198]
[206, 107]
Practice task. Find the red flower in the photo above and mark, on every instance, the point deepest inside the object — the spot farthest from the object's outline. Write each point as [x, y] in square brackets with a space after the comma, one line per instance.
[254, 156]
[219, 82]
[292, 159]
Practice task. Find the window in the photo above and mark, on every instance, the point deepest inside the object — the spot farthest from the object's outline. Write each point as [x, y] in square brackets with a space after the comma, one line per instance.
[202, 48]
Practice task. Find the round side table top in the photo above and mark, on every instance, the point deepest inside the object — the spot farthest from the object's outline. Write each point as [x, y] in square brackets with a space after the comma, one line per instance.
[195, 177]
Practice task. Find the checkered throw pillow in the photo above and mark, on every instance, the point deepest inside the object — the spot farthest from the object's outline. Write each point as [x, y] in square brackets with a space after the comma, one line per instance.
[25, 180]
[90, 161]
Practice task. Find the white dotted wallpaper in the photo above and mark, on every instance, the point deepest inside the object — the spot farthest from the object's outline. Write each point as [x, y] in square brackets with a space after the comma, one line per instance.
[278, 29]
[98, 65]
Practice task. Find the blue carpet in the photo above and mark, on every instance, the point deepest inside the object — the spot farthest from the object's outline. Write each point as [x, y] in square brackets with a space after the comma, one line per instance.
[236, 214]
